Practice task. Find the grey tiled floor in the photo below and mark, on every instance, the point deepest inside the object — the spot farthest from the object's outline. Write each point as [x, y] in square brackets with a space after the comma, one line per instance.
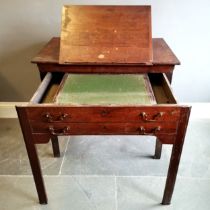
[105, 172]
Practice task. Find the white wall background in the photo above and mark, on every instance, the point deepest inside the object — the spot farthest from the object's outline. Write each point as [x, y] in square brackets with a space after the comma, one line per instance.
[26, 25]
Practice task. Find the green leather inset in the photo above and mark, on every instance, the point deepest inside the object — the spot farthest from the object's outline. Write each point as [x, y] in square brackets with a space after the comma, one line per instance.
[95, 89]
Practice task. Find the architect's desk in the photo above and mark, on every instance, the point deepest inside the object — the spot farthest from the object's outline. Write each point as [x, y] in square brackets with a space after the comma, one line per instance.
[42, 120]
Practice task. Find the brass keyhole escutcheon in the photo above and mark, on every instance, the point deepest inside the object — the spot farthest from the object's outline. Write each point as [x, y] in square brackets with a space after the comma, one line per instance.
[104, 112]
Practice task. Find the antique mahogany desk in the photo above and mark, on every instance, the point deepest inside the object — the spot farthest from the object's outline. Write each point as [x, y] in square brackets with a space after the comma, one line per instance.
[105, 40]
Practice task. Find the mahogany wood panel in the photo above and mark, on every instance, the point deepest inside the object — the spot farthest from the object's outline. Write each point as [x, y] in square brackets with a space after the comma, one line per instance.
[106, 35]
[103, 114]
[162, 54]
[43, 138]
[105, 69]
[105, 128]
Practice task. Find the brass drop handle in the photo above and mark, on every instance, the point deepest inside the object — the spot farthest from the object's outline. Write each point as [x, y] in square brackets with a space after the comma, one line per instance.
[58, 132]
[144, 116]
[50, 118]
[63, 116]
[142, 130]
[157, 129]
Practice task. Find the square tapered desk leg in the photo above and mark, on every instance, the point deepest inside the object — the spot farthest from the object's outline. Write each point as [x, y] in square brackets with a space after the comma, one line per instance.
[175, 156]
[32, 155]
[55, 146]
[158, 149]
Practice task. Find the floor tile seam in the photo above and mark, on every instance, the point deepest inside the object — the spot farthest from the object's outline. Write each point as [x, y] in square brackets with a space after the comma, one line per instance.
[116, 195]
[64, 155]
[106, 176]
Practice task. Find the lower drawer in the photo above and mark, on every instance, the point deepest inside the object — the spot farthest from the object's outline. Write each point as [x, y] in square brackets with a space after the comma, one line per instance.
[104, 128]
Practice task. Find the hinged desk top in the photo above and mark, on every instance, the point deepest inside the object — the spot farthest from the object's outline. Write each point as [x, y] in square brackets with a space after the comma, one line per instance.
[106, 35]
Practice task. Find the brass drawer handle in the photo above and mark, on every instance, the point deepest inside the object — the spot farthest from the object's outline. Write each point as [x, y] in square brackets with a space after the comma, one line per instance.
[142, 130]
[144, 116]
[50, 118]
[59, 132]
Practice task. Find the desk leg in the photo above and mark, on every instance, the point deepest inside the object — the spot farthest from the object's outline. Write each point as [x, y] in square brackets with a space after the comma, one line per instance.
[169, 75]
[158, 149]
[175, 156]
[32, 155]
[55, 146]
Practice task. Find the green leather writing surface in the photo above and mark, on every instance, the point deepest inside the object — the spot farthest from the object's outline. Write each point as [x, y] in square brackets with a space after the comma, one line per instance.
[95, 89]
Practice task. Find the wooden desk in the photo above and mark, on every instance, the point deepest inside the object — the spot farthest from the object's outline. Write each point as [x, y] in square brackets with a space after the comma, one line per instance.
[42, 120]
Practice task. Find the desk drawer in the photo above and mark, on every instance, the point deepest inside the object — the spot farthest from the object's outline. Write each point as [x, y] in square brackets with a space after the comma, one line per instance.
[45, 110]
[103, 114]
[104, 128]
[45, 117]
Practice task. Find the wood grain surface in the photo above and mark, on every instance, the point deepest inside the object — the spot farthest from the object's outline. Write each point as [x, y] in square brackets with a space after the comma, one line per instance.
[106, 34]
[162, 54]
